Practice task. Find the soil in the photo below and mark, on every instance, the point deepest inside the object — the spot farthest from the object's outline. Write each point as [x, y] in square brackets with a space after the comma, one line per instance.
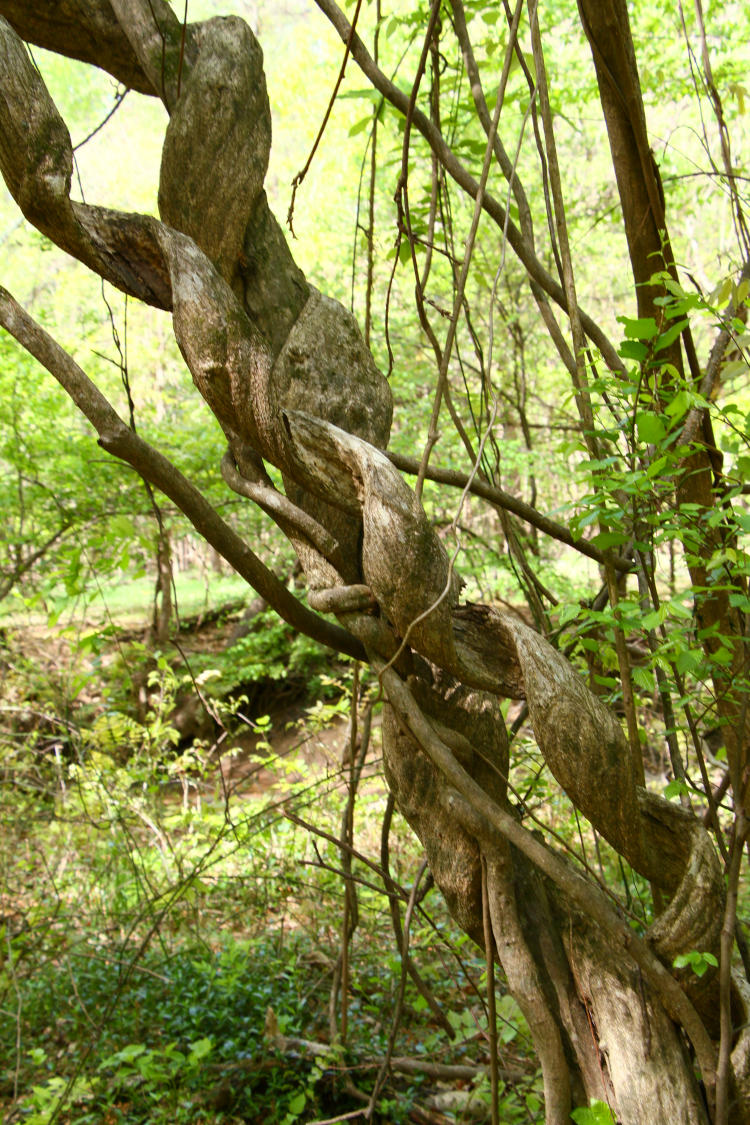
[240, 754]
[321, 751]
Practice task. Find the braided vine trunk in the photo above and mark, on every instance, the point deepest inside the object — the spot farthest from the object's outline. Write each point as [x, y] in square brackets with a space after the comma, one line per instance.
[287, 374]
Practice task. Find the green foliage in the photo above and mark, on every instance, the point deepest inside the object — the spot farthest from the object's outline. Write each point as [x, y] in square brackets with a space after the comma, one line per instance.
[597, 1113]
[270, 651]
[627, 501]
[164, 925]
[700, 963]
[163, 1031]
[178, 1030]
[165, 920]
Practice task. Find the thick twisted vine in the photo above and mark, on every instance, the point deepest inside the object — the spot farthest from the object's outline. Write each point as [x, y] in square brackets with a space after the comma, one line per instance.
[287, 374]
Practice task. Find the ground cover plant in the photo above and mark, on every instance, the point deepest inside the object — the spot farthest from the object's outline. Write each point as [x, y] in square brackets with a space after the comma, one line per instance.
[554, 618]
[172, 942]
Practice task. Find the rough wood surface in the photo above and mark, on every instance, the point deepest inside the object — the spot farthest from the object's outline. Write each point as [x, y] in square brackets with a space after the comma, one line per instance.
[286, 372]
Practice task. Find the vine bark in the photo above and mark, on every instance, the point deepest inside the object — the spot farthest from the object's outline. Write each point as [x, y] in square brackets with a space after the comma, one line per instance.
[287, 374]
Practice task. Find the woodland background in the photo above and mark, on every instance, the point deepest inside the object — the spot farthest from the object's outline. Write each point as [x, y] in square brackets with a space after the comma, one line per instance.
[200, 871]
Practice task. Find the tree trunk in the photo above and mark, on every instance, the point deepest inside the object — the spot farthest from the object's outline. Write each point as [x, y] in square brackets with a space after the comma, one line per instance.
[287, 374]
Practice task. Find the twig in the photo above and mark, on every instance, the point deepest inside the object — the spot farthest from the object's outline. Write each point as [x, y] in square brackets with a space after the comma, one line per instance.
[279, 507]
[468, 252]
[119, 99]
[466, 181]
[723, 1067]
[393, 903]
[398, 1007]
[489, 955]
[505, 500]
[301, 174]
[350, 914]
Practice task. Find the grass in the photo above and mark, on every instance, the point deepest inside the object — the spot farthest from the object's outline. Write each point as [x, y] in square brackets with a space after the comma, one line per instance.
[170, 965]
[126, 602]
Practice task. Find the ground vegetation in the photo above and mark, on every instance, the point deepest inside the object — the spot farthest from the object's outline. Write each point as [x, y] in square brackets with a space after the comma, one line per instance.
[554, 613]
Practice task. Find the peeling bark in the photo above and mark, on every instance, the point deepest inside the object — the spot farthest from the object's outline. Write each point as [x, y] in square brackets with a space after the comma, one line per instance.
[80, 30]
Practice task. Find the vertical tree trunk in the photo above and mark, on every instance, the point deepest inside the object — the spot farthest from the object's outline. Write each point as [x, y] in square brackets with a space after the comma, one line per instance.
[607, 26]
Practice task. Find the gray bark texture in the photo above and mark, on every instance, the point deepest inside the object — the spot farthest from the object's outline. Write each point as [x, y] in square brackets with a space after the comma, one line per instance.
[286, 372]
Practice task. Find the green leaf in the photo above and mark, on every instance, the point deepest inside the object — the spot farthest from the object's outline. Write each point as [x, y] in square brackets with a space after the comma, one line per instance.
[297, 1103]
[200, 1049]
[643, 328]
[632, 349]
[689, 660]
[643, 679]
[126, 1055]
[669, 337]
[678, 405]
[360, 126]
[721, 294]
[122, 527]
[656, 467]
[697, 961]
[366, 92]
[651, 428]
[568, 613]
[589, 518]
[654, 619]
[598, 1113]
[734, 368]
[609, 539]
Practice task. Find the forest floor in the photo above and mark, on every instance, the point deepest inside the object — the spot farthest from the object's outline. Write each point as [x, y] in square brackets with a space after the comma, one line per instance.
[172, 903]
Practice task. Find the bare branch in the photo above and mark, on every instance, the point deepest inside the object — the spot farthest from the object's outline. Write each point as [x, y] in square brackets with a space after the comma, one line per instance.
[81, 29]
[465, 180]
[119, 440]
[511, 503]
[36, 159]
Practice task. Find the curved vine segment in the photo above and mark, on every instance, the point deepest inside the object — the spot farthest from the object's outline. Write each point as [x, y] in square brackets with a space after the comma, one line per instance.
[287, 374]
